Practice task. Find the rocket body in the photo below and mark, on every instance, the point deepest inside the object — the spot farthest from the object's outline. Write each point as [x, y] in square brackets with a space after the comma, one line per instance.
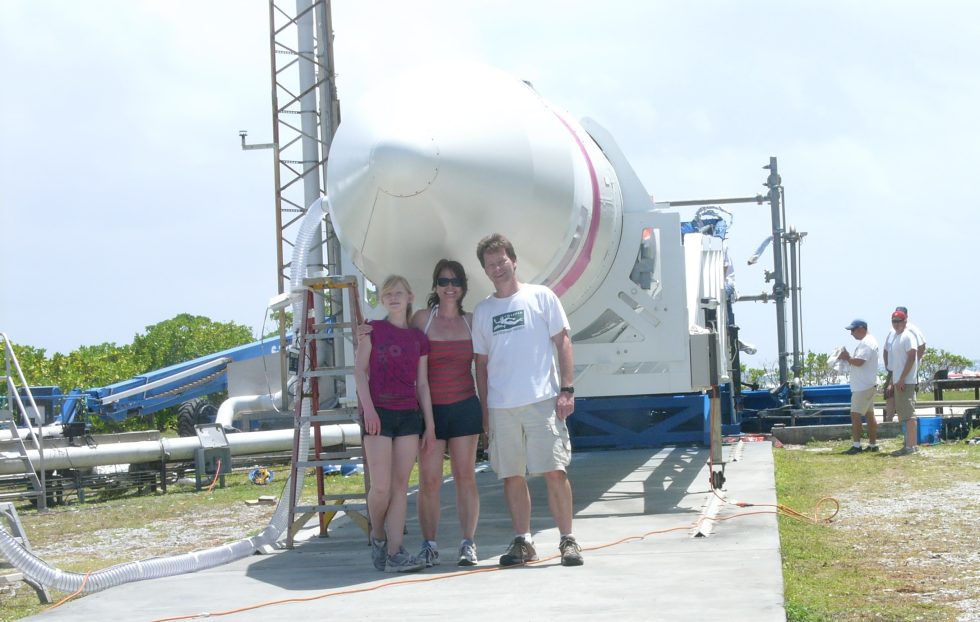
[428, 164]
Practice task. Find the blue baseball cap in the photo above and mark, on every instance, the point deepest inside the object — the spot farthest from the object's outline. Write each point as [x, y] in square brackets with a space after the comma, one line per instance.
[856, 324]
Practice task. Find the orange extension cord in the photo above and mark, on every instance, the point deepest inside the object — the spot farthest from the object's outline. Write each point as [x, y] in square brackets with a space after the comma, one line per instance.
[778, 508]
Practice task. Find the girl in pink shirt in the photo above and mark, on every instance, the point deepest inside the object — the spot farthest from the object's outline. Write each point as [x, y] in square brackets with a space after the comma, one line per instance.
[391, 370]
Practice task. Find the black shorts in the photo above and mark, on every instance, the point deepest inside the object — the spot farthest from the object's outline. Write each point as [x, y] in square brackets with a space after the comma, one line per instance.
[463, 418]
[395, 423]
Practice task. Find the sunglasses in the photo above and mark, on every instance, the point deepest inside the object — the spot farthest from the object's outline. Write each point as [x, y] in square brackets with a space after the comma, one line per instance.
[446, 282]
[897, 321]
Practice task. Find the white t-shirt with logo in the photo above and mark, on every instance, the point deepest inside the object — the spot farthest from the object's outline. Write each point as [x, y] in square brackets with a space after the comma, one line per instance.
[515, 333]
[865, 376]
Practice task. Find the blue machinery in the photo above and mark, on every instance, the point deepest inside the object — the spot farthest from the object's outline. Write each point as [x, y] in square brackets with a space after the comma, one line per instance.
[651, 420]
[150, 392]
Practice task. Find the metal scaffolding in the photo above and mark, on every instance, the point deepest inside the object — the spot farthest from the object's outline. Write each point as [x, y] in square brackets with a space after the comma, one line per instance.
[305, 115]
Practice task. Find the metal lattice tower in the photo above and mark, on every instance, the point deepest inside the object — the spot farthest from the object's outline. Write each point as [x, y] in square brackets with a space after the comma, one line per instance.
[305, 113]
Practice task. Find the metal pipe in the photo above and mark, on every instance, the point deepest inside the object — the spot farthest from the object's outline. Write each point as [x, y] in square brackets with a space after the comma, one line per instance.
[171, 449]
[312, 191]
[244, 404]
[329, 108]
[763, 297]
[757, 199]
[779, 284]
[793, 238]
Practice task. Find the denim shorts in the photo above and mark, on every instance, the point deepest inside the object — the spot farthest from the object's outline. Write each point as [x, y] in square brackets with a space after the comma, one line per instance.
[463, 418]
[395, 423]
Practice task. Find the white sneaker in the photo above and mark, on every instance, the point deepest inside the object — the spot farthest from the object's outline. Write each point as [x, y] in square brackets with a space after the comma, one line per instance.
[467, 553]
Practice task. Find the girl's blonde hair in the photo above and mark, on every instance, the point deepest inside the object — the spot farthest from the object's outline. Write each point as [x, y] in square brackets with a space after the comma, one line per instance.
[390, 283]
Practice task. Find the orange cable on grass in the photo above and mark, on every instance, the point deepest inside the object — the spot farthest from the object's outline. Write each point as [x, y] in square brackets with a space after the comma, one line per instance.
[217, 472]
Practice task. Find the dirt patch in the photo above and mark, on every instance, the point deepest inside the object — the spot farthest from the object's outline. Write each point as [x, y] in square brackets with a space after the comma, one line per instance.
[929, 540]
[208, 526]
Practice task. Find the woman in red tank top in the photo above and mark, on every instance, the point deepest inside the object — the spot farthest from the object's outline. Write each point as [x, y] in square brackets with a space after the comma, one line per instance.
[456, 410]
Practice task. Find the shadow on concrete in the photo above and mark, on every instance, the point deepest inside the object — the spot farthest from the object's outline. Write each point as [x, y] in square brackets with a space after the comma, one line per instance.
[343, 558]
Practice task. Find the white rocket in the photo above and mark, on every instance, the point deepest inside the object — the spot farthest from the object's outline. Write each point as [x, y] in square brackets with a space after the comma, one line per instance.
[427, 164]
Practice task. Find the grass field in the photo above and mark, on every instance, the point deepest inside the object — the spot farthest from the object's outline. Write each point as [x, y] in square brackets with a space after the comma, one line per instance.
[905, 544]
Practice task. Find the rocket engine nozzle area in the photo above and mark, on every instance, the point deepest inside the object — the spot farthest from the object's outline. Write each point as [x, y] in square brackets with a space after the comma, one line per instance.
[427, 164]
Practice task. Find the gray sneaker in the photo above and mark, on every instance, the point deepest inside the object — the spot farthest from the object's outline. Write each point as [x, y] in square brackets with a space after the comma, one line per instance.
[379, 553]
[403, 562]
[428, 555]
[904, 451]
[571, 552]
[467, 553]
[519, 553]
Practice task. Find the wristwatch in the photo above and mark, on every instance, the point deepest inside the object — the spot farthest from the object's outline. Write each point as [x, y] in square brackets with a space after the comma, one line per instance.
[569, 389]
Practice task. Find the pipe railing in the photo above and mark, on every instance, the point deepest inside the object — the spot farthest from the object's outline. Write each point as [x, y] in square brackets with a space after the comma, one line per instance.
[36, 474]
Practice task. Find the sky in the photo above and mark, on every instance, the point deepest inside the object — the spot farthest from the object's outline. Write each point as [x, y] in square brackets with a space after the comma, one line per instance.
[126, 198]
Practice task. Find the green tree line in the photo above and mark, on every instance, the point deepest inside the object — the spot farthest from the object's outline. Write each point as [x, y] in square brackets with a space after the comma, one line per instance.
[819, 369]
[177, 340]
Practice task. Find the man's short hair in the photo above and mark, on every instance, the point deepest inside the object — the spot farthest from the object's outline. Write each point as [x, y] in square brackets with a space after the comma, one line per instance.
[493, 243]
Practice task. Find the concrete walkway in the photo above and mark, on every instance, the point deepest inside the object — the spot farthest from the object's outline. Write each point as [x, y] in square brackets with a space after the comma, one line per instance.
[635, 513]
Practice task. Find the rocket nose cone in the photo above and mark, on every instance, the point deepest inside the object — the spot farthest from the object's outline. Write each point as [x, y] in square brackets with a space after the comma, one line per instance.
[405, 164]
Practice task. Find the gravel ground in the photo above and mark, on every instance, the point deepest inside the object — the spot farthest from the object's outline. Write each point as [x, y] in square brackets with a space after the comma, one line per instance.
[209, 527]
[929, 540]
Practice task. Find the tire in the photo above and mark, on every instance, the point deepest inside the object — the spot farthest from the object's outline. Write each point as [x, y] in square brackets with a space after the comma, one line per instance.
[192, 413]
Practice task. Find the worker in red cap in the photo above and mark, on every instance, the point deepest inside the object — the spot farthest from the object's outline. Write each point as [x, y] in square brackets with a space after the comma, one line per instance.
[916, 333]
[903, 372]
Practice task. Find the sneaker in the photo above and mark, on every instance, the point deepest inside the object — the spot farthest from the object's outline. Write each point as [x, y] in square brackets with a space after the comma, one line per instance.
[403, 562]
[871, 448]
[904, 451]
[853, 450]
[429, 555]
[519, 553]
[467, 553]
[571, 552]
[379, 553]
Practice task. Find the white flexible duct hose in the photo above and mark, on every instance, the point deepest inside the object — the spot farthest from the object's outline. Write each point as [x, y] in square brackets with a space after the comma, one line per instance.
[39, 571]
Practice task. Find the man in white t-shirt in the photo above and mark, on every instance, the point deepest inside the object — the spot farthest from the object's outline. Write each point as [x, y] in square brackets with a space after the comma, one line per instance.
[903, 372]
[920, 339]
[864, 380]
[520, 332]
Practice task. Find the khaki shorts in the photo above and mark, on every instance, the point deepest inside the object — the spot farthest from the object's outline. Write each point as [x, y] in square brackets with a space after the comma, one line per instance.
[863, 401]
[528, 440]
[905, 402]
